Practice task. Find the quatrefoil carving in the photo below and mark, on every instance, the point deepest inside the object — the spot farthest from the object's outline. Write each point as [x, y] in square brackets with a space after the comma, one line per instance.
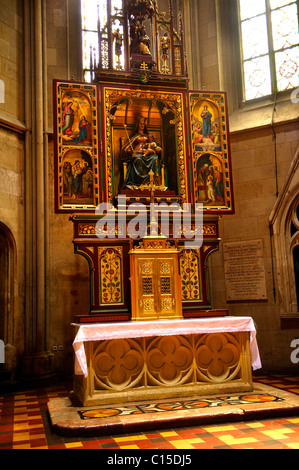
[169, 360]
[217, 356]
[118, 363]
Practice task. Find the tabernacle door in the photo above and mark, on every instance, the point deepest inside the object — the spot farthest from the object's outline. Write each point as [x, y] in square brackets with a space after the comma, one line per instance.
[155, 284]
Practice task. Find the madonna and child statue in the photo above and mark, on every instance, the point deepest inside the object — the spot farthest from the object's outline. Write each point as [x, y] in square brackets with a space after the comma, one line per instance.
[142, 157]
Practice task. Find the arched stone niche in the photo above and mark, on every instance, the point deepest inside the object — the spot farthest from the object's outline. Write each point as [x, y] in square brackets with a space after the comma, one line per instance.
[284, 227]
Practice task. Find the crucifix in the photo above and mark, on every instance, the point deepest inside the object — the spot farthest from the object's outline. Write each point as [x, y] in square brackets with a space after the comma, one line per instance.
[153, 222]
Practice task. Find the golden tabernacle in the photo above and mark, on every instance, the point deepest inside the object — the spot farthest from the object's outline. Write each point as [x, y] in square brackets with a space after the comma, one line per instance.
[155, 281]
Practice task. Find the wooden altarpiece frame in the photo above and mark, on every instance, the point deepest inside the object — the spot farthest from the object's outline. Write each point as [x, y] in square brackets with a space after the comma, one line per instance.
[210, 151]
[78, 176]
[163, 111]
[192, 128]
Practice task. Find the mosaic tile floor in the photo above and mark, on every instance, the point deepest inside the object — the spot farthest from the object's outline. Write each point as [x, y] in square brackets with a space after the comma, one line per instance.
[145, 408]
[25, 424]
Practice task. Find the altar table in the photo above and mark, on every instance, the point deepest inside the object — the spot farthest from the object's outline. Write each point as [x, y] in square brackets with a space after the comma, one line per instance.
[131, 361]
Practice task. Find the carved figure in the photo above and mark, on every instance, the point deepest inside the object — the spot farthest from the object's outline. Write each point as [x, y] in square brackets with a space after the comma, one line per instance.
[165, 43]
[142, 153]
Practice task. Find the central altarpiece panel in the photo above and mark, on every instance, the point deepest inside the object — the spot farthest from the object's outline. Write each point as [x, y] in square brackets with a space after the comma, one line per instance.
[142, 167]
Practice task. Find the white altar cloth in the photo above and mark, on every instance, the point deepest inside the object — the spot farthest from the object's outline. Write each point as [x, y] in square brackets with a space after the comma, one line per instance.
[140, 329]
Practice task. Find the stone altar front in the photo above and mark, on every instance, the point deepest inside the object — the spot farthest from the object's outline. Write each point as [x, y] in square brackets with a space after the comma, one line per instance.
[133, 361]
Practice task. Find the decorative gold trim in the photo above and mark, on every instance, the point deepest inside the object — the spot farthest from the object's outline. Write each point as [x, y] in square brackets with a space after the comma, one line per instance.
[190, 272]
[111, 275]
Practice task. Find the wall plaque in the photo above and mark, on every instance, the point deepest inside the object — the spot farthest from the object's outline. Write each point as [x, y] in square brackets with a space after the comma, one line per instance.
[244, 271]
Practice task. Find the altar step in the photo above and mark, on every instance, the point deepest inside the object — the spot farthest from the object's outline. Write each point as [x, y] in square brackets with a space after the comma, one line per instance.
[69, 419]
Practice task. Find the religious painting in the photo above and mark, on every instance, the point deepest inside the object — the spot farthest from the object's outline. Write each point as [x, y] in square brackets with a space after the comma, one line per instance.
[145, 143]
[78, 175]
[209, 180]
[76, 147]
[211, 152]
[206, 132]
[76, 119]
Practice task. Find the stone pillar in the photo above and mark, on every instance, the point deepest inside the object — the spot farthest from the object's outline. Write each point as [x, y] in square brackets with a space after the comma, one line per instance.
[38, 362]
[191, 10]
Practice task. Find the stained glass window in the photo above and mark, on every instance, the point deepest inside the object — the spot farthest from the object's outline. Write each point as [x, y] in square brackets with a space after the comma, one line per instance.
[89, 16]
[94, 14]
[270, 46]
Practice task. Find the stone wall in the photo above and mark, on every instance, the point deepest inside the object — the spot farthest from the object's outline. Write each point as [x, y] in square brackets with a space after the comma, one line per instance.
[11, 59]
[263, 143]
[12, 158]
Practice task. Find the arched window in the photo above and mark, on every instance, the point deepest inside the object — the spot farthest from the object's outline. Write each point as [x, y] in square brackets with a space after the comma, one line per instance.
[270, 46]
[294, 245]
[284, 223]
[95, 15]
[7, 270]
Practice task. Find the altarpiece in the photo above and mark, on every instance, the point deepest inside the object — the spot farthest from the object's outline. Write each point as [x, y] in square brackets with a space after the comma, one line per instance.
[134, 137]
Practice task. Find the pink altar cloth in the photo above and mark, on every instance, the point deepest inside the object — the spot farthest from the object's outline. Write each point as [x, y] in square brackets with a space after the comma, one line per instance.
[140, 329]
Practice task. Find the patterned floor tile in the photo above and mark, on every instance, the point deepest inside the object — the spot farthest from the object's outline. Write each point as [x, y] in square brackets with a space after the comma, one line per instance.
[24, 424]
